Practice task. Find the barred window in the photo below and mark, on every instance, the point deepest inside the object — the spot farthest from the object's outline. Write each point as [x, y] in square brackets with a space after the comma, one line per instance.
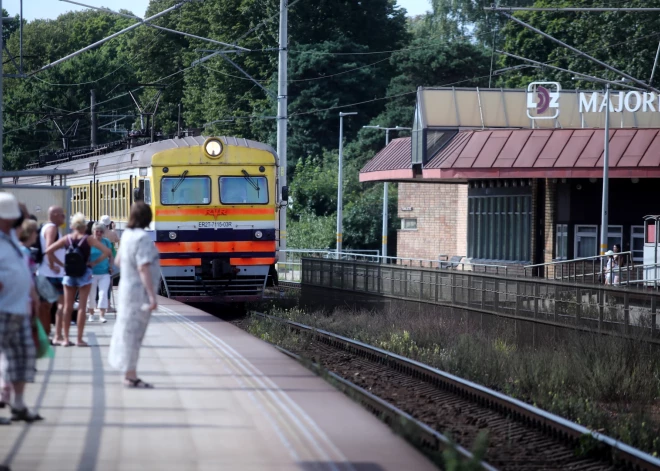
[499, 227]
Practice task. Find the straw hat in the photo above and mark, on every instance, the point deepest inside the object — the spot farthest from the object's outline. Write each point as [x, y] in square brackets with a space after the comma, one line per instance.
[9, 206]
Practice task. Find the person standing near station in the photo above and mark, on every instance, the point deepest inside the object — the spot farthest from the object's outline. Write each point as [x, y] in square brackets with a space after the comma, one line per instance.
[140, 276]
[100, 276]
[612, 268]
[113, 237]
[50, 268]
[77, 273]
[16, 310]
[110, 233]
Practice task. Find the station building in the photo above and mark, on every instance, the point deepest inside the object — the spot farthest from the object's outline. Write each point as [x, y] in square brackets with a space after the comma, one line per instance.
[515, 176]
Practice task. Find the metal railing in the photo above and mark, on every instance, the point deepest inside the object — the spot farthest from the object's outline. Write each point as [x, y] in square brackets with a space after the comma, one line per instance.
[289, 269]
[584, 270]
[605, 309]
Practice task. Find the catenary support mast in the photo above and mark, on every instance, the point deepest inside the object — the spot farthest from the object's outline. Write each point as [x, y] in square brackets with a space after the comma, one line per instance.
[282, 118]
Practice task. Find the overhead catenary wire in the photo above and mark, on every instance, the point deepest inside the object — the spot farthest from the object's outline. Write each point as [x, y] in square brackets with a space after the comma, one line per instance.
[308, 52]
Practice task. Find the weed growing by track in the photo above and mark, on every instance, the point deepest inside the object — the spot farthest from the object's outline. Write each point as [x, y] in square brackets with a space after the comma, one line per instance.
[607, 384]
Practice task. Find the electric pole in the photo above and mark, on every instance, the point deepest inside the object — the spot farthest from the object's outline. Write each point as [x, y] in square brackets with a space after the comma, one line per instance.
[2, 71]
[92, 110]
[282, 118]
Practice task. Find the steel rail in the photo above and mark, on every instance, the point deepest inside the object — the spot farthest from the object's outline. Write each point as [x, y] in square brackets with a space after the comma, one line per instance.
[423, 436]
[519, 410]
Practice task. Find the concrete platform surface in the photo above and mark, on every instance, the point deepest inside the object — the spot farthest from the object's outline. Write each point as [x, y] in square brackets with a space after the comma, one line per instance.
[223, 400]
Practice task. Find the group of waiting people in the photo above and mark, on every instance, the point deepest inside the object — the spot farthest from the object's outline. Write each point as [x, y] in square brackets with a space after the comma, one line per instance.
[66, 266]
[96, 255]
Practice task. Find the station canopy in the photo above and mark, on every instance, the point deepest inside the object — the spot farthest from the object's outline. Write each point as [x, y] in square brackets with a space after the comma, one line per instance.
[461, 134]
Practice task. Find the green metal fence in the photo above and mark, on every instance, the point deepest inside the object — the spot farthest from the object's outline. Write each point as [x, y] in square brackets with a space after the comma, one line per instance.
[603, 309]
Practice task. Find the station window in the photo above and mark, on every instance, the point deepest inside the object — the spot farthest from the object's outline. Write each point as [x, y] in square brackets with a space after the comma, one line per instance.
[243, 190]
[184, 190]
[586, 241]
[561, 242]
[637, 243]
[614, 236]
[409, 224]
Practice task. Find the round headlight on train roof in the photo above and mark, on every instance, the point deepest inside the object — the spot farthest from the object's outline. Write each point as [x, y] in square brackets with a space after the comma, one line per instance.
[213, 148]
[258, 234]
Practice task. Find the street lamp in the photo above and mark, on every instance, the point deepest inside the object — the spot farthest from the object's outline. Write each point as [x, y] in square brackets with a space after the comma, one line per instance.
[385, 188]
[606, 181]
[604, 222]
[340, 182]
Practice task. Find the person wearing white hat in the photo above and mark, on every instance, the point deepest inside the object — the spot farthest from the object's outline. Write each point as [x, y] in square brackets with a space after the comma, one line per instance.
[113, 237]
[16, 342]
[611, 276]
[110, 234]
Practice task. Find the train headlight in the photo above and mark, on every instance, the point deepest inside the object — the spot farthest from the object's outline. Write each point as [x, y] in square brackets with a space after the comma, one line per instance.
[258, 234]
[213, 148]
[172, 235]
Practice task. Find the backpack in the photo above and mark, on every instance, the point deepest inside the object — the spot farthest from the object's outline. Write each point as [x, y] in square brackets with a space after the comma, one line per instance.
[74, 261]
[38, 250]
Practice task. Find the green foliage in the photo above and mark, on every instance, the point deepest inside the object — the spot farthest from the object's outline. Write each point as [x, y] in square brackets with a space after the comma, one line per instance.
[310, 231]
[336, 59]
[607, 384]
[627, 41]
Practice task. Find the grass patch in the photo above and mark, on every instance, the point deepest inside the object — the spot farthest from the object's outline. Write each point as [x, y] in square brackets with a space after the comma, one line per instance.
[607, 384]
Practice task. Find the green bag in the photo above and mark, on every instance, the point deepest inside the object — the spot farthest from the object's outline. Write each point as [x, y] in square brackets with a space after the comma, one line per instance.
[45, 350]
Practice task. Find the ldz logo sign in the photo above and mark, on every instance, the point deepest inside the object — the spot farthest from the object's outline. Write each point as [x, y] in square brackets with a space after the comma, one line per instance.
[541, 97]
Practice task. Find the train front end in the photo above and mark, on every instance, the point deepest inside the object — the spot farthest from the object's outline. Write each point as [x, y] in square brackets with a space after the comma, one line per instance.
[215, 218]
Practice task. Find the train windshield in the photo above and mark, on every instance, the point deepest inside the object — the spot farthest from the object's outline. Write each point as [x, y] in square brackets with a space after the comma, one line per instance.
[182, 190]
[244, 190]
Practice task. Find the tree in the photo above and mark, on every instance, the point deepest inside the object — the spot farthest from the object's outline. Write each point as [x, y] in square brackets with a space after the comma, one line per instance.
[64, 89]
[459, 19]
[627, 41]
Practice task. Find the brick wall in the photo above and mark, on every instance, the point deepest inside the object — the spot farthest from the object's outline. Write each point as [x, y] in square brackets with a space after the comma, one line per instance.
[549, 221]
[441, 213]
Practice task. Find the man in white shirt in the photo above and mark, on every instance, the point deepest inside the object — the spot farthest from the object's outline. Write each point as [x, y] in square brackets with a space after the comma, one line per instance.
[50, 269]
[110, 233]
[16, 342]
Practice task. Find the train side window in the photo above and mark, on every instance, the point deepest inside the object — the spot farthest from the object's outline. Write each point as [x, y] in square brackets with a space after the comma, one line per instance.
[147, 191]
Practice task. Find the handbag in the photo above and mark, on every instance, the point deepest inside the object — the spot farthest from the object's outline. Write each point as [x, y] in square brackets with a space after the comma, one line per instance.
[42, 342]
[45, 289]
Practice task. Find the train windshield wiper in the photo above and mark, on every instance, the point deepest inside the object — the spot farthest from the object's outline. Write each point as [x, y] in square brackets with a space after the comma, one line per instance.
[178, 184]
[251, 181]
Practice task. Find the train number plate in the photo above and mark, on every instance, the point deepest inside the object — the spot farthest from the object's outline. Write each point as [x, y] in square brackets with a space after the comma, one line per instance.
[215, 225]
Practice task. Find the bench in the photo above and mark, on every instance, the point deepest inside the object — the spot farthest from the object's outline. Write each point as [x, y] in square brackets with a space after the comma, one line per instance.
[453, 262]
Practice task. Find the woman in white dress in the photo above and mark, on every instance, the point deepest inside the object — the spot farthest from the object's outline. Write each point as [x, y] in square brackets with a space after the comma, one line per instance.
[140, 277]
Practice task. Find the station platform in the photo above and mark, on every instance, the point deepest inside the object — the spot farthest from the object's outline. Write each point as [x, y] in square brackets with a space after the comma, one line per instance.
[223, 400]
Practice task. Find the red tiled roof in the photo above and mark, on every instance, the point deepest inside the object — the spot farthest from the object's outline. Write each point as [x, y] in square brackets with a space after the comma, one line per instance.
[529, 153]
[391, 163]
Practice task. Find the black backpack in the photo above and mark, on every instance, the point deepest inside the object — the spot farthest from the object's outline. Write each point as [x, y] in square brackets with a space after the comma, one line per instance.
[38, 250]
[74, 260]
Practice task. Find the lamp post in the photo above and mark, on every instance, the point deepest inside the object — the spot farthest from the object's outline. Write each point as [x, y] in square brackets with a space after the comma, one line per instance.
[604, 220]
[606, 183]
[340, 181]
[385, 190]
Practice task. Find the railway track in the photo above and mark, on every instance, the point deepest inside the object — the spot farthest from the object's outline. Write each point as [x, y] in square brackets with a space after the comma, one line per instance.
[520, 436]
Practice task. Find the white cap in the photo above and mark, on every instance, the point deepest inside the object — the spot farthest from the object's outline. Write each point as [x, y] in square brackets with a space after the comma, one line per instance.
[609, 253]
[105, 220]
[9, 206]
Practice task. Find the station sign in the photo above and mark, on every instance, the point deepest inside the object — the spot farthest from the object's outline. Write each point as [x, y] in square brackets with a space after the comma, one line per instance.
[541, 98]
[631, 101]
